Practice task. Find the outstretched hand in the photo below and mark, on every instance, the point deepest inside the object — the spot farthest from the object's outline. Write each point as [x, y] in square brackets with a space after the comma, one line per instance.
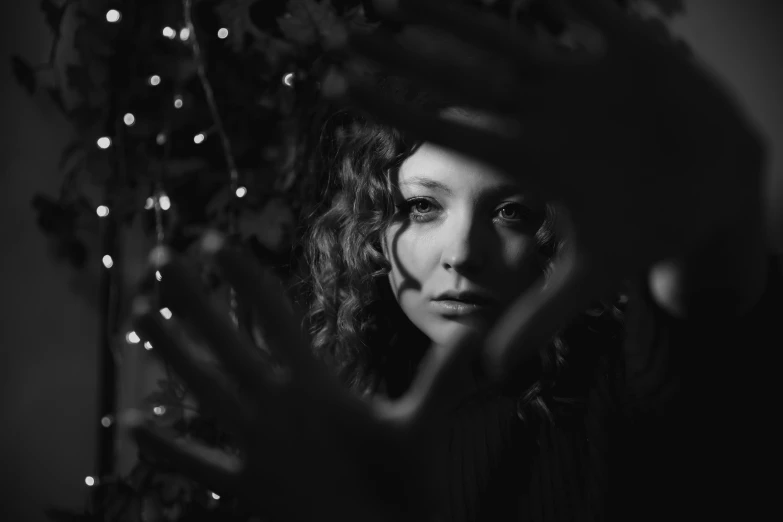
[310, 449]
[649, 155]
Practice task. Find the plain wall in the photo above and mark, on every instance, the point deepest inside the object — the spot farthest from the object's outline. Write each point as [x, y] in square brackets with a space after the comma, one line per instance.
[49, 334]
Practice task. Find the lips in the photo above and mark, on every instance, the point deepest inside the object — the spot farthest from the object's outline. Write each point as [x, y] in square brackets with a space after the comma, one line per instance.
[467, 297]
[461, 303]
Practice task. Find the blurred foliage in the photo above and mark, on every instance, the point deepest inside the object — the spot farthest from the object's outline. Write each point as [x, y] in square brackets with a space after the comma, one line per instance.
[97, 72]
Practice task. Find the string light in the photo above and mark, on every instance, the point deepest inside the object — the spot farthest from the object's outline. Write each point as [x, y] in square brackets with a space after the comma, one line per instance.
[222, 33]
[160, 139]
[107, 261]
[113, 16]
[132, 337]
[288, 79]
[215, 495]
[147, 345]
[178, 101]
[169, 33]
[184, 34]
[199, 138]
[129, 119]
[166, 313]
[158, 275]
[102, 211]
[104, 142]
[154, 80]
[106, 421]
[90, 481]
[159, 410]
[165, 202]
[241, 191]
[150, 203]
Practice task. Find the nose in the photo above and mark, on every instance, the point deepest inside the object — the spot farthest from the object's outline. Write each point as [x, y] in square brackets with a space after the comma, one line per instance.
[465, 246]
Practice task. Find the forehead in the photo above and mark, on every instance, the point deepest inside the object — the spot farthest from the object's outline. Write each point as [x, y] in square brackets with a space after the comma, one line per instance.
[432, 165]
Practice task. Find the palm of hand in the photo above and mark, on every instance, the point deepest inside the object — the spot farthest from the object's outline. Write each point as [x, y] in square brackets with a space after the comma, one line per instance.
[310, 448]
[647, 154]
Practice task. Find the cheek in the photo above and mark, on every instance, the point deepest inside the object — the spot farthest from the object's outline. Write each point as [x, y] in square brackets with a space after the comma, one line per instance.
[410, 254]
[519, 264]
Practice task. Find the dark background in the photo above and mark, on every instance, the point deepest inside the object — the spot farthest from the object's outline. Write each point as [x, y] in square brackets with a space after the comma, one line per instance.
[48, 333]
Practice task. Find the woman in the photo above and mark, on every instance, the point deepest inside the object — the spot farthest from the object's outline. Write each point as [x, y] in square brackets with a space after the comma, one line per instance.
[460, 239]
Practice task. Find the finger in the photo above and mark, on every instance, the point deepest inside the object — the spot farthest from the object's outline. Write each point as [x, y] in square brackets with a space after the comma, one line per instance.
[532, 321]
[210, 388]
[181, 291]
[472, 140]
[488, 32]
[437, 385]
[609, 18]
[479, 83]
[281, 326]
[215, 469]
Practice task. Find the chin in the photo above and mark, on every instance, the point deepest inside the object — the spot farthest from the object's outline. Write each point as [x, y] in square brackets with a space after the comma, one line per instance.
[446, 330]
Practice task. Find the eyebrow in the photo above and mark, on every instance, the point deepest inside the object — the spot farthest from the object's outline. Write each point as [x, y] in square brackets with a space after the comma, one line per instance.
[426, 183]
[432, 184]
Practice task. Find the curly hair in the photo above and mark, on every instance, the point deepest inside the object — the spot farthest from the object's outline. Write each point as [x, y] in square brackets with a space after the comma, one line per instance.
[354, 322]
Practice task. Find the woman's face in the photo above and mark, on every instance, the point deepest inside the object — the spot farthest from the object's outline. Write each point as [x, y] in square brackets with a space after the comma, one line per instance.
[461, 245]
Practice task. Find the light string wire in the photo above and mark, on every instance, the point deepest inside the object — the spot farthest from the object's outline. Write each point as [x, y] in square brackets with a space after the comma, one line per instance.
[201, 71]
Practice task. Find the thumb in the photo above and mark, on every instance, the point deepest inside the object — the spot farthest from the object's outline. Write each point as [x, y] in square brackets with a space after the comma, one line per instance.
[438, 383]
[538, 314]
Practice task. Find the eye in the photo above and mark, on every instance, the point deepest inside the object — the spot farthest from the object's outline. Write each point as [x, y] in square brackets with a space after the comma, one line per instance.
[419, 209]
[421, 206]
[512, 212]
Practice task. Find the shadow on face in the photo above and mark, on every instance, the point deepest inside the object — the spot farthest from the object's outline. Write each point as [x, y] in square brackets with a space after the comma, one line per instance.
[461, 244]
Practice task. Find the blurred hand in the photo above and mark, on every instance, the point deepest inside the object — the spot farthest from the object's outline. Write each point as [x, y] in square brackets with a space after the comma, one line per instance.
[648, 154]
[310, 449]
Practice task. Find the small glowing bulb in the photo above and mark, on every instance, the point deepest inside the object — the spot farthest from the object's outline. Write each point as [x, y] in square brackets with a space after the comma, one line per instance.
[147, 345]
[89, 481]
[184, 34]
[106, 421]
[158, 275]
[113, 16]
[160, 139]
[215, 495]
[154, 80]
[288, 79]
[222, 33]
[129, 119]
[107, 261]
[102, 211]
[199, 138]
[178, 102]
[169, 33]
[165, 202]
[104, 142]
[132, 337]
[149, 204]
[159, 410]
[241, 191]
[166, 313]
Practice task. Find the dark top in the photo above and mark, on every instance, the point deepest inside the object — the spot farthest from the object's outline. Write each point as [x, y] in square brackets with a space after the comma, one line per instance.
[675, 422]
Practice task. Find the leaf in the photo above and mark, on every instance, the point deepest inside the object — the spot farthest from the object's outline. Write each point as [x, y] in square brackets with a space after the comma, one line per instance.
[308, 21]
[24, 73]
[53, 14]
[57, 97]
[78, 77]
[84, 117]
[69, 152]
[669, 8]
[89, 43]
[235, 14]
